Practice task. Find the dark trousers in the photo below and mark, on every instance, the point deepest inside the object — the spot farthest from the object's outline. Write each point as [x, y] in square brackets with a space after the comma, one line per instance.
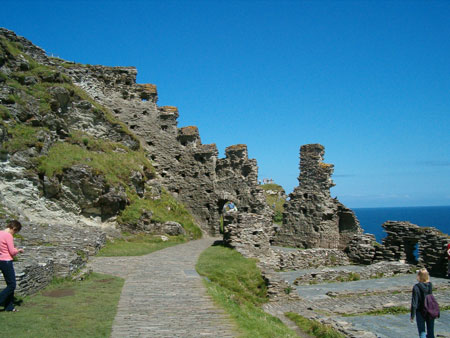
[7, 295]
[421, 321]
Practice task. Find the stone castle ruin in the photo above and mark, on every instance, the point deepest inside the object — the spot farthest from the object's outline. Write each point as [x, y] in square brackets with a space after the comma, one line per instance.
[79, 203]
[188, 169]
[312, 218]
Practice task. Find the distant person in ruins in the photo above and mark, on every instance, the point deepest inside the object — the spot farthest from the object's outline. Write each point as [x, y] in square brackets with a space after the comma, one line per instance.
[7, 252]
[448, 258]
[229, 207]
[419, 292]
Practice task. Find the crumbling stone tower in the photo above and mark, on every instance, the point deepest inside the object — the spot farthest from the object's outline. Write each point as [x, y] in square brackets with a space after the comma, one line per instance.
[312, 219]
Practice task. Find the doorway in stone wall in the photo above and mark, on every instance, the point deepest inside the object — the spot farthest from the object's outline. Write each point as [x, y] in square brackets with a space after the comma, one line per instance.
[412, 251]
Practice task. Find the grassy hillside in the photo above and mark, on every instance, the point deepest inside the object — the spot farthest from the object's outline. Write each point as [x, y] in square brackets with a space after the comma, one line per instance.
[274, 200]
[31, 121]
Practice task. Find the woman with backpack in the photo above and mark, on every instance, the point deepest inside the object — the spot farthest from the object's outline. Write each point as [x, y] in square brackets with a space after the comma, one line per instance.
[418, 308]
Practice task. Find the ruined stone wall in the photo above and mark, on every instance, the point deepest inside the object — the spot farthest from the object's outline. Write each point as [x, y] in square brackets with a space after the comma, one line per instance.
[312, 219]
[188, 169]
[52, 251]
[402, 239]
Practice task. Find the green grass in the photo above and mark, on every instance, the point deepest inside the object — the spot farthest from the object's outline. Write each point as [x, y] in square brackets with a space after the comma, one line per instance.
[313, 327]
[236, 284]
[22, 137]
[117, 163]
[393, 310]
[113, 160]
[12, 47]
[138, 245]
[352, 276]
[166, 208]
[275, 202]
[83, 309]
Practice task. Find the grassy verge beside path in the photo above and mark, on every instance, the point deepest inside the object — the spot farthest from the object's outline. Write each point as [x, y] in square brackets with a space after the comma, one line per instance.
[138, 245]
[312, 327]
[236, 284]
[67, 309]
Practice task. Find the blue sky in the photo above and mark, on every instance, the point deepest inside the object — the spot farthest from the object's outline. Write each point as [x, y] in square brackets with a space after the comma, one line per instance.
[370, 80]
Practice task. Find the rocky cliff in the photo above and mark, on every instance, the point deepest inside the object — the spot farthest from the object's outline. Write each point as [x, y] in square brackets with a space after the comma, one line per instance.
[87, 144]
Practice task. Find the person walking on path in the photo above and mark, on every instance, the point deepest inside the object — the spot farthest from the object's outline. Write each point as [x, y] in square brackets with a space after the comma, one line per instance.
[7, 252]
[419, 292]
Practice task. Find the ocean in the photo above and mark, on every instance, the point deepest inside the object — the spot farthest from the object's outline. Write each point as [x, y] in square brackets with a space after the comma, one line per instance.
[371, 219]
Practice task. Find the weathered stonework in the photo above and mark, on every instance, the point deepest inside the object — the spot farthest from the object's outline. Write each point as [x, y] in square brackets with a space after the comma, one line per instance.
[312, 219]
[402, 239]
[52, 250]
[188, 169]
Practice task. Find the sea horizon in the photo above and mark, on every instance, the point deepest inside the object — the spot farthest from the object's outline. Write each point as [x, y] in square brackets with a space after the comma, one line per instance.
[371, 218]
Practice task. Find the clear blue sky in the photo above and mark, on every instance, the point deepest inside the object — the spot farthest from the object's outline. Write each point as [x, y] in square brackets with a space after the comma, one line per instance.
[370, 80]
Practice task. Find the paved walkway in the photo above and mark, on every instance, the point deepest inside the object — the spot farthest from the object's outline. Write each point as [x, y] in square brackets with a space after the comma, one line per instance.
[359, 297]
[163, 296]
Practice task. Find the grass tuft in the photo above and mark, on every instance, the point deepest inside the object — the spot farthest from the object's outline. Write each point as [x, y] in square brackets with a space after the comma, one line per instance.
[274, 201]
[236, 284]
[166, 208]
[313, 327]
[138, 245]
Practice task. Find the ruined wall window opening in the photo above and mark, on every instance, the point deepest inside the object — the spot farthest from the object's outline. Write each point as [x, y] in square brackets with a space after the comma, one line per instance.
[416, 252]
[144, 100]
[164, 127]
[412, 252]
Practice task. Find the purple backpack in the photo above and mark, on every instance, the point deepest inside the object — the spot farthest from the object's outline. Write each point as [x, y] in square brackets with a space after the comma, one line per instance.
[431, 307]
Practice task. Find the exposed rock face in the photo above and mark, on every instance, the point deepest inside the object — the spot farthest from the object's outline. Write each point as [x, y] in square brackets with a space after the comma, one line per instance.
[312, 219]
[188, 169]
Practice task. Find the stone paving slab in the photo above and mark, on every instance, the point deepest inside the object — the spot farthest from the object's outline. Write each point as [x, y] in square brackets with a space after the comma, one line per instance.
[163, 296]
[362, 296]
[397, 326]
[318, 291]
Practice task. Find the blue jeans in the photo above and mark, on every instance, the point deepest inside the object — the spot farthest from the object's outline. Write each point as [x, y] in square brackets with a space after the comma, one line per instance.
[421, 326]
[7, 295]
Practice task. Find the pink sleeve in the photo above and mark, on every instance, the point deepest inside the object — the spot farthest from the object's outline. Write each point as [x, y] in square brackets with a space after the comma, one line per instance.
[10, 243]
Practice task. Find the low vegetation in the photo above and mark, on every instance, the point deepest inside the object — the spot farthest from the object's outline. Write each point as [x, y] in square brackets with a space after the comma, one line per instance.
[67, 309]
[115, 161]
[313, 327]
[352, 276]
[275, 201]
[31, 88]
[236, 284]
[138, 245]
[393, 310]
[164, 208]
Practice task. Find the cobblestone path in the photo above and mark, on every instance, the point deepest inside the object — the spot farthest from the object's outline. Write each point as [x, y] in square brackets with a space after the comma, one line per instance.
[163, 296]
